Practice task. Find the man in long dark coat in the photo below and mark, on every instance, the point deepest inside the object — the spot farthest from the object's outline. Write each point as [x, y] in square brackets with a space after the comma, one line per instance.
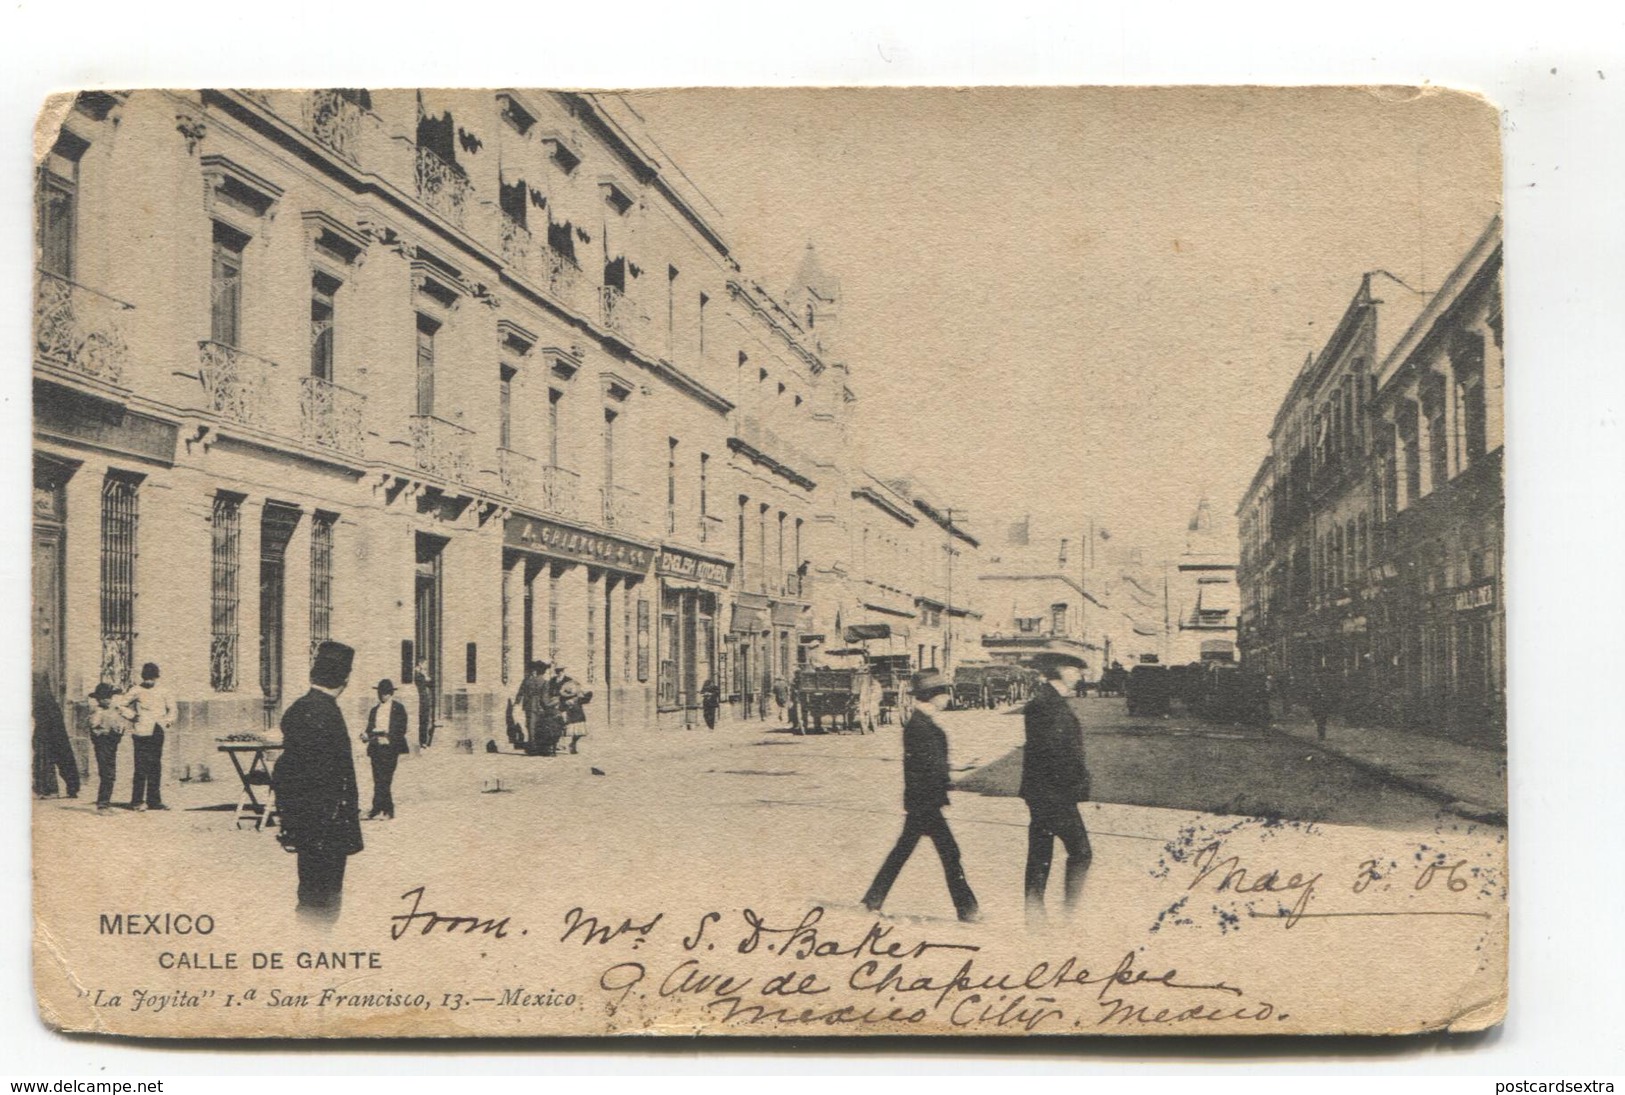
[535, 701]
[1054, 779]
[925, 793]
[315, 785]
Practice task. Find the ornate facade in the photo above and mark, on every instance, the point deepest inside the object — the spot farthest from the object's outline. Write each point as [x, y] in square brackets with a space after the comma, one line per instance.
[464, 379]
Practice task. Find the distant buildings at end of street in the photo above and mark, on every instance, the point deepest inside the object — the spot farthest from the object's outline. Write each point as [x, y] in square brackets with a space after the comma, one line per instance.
[1372, 532]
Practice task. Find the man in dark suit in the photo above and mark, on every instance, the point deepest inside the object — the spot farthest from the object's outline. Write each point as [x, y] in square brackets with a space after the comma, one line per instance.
[1054, 779]
[925, 793]
[385, 738]
[315, 785]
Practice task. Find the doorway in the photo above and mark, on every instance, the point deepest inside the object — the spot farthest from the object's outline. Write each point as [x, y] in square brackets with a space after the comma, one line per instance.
[427, 599]
[48, 585]
[277, 523]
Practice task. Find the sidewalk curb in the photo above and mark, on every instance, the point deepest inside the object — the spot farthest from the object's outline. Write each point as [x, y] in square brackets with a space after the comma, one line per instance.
[1470, 811]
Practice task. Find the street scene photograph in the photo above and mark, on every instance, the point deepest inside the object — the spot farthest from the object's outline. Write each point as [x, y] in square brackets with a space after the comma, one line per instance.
[768, 562]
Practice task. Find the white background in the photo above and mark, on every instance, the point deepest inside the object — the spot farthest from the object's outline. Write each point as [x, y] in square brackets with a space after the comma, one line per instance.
[1557, 70]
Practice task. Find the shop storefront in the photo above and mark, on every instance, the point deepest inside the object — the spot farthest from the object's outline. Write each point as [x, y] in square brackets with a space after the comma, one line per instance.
[688, 649]
[579, 599]
[749, 634]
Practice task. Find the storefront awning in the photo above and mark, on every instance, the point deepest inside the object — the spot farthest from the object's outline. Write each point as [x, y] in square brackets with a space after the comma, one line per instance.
[786, 615]
[858, 633]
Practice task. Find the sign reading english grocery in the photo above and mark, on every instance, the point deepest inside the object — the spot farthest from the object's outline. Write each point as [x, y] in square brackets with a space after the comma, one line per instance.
[680, 564]
[535, 534]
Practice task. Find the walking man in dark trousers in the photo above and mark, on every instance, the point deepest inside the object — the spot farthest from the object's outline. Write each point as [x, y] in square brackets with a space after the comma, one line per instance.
[315, 785]
[1054, 779]
[925, 793]
[385, 738]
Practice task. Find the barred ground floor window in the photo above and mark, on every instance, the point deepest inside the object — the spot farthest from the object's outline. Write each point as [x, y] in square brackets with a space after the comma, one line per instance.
[225, 563]
[118, 558]
[321, 579]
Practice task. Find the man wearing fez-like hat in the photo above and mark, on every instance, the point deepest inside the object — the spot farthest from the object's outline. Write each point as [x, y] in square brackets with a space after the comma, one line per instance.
[1054, 779]
[315, 785]
[925, 793]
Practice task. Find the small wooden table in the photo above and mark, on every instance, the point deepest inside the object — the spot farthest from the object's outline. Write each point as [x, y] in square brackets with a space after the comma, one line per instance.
[257, 773]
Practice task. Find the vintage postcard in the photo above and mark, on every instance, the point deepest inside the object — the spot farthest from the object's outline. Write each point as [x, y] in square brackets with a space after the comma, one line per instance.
[768, 562]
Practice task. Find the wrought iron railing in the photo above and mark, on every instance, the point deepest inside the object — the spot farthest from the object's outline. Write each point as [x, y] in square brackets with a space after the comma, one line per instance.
[518, 246]
[563, 275]
[516, 472]
[441, 448]
[331, 416]
[235, 381]
[335, 120]
[561, 490]
[443, 187]
[619, 509]
[620, 315]
[79, 329]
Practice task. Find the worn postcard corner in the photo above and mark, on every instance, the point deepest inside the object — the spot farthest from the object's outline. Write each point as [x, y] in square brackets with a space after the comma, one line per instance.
[768, 561]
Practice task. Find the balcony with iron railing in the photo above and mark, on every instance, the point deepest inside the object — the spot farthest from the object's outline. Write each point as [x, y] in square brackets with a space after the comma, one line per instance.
[516, 473]
[331, 416]
[620, 315]
[442, 186]
[561, 492]
[620, 510]
[538, 261]
[237, 384]
[335, 120]
[80, 331]
[441, 448]
[519, 247]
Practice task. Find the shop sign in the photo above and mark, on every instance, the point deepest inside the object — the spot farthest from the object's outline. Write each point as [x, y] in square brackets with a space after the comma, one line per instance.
[1479, 596]
[680, 564]
[535, 534]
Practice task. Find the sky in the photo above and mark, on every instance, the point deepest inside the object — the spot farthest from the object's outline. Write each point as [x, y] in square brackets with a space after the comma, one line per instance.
[1085, 302]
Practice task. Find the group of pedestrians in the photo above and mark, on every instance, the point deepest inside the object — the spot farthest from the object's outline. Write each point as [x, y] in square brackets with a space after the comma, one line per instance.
[143, 713]
[552, 706]
[1054, 779]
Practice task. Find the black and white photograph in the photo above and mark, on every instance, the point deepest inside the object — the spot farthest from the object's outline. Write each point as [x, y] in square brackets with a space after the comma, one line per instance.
[772, 562]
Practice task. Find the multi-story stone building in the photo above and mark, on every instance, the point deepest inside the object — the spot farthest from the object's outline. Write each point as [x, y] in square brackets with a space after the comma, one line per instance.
[463, 379]
[1372, 536]
[1255, 572]
[1440, 651]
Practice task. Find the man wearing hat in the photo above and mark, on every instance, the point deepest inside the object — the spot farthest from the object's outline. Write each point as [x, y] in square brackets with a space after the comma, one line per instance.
[385, 738]
[1054, 779]
[315, 785]
[533, 701]
[107, 726]
[925, 793]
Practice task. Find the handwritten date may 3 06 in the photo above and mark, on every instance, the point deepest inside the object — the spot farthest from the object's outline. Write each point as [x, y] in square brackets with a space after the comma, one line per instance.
[1229, 874]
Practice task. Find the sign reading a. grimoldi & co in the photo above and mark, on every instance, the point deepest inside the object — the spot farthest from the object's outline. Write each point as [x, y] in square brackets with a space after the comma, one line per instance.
[536, 534]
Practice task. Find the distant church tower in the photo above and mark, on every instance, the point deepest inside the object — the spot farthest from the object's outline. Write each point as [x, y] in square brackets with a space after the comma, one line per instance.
[1200, 538]
[814, 297]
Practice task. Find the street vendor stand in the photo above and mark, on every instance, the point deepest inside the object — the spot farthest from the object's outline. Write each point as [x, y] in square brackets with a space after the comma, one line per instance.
[252, 760]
